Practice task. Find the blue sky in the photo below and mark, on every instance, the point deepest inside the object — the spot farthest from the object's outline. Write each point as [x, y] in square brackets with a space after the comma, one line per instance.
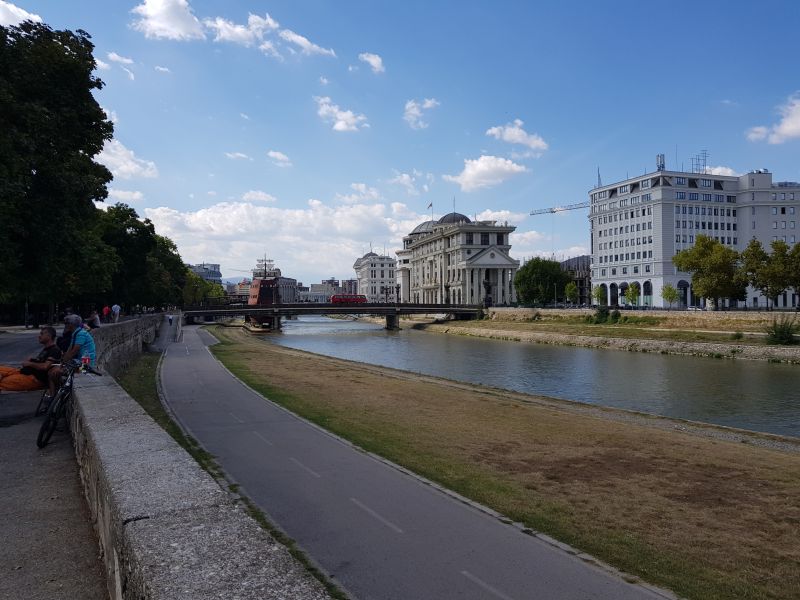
[309, 131]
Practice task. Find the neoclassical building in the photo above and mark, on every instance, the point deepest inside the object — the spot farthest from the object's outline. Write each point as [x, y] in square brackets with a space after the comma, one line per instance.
[376, 277]
[457, 261]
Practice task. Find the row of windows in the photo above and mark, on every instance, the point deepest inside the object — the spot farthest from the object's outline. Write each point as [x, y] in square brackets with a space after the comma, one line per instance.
[625, 243]
[627, 256]
[783, 224]
[626, 229]
[373, 273]
[682, 209]
[635, 270]
[683, 238]
[622, 203]
[623, 216]
[707, 225]
[705, 197]
[783, 196]
[775, 238]
[775, 209]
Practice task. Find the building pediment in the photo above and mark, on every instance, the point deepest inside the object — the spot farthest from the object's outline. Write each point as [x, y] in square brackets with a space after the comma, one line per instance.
[491, 257]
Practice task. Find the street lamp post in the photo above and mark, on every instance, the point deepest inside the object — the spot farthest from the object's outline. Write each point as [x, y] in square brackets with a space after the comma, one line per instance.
[555, 292]
[397, 295]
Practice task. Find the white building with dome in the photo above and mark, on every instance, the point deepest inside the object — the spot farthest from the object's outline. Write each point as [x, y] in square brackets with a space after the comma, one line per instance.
[376, 277]
[457, 261]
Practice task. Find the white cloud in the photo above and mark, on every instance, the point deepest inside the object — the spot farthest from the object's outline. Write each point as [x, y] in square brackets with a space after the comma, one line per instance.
[14, 15]
[343, 120]
[268, 48]
[131, 76]
[211, 193]
[169, 19]
[244, 116]
[373, 60]
[407, 181]
[102, 66]
[161, 69]
[246, 35]
[123, 163]
[110, 114]
[513, 133]
[323, 81]
[124, 195]
[258, 196]
[413, 112]
[756, 134]
[306, 47]
[324, 239]
[237, 156]
[788, 128]
[279, 159]
[123, 60]
[502, 216]
[484, 172]
[722, 171]
[363, 193]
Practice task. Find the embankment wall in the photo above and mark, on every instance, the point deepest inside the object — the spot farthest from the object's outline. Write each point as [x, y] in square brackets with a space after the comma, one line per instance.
[166, 529]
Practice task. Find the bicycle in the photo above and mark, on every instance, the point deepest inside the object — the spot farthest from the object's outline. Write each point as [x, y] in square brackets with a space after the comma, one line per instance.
[61, 403]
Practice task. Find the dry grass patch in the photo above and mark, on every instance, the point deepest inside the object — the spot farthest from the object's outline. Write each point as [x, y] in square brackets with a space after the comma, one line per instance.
[706, 518]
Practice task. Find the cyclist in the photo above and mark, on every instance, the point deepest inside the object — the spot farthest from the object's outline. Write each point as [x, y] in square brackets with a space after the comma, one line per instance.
[81, 345]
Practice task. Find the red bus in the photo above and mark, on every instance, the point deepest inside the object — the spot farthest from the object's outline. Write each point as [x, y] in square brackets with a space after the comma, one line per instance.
[348, 299]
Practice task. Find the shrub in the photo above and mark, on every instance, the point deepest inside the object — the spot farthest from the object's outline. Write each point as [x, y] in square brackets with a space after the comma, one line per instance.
[782, 330]
[601, 314]
[614, 316]
[737, 335]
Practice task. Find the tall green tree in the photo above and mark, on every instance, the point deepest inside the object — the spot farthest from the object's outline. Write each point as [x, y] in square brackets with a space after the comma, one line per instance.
[599, 295]
[714, 268]
[571, 292]
[539, 280]
[51, 128]
[770, 273]
[669, 294]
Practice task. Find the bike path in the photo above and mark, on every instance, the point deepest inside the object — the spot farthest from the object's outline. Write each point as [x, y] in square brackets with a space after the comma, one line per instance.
[375, 530]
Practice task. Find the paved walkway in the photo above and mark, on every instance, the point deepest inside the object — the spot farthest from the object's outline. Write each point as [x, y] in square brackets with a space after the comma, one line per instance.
[48, 549]
[377, 531]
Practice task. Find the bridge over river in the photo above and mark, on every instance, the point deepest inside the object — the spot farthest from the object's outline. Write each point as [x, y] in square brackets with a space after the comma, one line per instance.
[270, 314]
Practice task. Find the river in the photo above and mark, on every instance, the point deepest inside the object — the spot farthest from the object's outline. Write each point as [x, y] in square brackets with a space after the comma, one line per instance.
[753, 395]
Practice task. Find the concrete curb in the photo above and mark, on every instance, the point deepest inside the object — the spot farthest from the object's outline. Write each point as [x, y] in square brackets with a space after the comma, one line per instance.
[166, 528]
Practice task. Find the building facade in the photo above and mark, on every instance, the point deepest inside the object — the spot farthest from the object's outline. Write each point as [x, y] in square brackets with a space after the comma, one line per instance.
[208, 271]
[376, 277]
[580, 269]
[457, 261]
[639, 224]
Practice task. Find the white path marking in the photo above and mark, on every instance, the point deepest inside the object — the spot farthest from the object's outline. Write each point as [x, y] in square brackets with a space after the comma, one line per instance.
[263, 439]
[485, 586]
[235, 417]
[302, 466]
[372, 513]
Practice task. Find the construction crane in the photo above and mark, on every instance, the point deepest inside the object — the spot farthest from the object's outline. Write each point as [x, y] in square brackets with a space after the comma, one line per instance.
[555, 209]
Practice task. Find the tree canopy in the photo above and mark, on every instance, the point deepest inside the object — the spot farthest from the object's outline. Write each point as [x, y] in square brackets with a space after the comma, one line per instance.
[714, 268]
[669, 294]
[57, 245]
[770, 273]
[539, 280]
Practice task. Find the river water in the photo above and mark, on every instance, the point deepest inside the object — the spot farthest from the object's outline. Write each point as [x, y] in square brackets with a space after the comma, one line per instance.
[754, 395]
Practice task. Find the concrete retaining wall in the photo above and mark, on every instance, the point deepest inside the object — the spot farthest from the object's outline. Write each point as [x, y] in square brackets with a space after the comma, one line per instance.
[166, 528]
[119, 343]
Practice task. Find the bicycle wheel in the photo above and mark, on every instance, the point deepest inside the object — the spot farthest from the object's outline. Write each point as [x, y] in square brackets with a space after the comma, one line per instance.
[40, 409]
[51, 419]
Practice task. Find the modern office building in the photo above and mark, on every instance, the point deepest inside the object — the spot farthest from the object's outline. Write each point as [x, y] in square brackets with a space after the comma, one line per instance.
[639, 224]
[459, 261]
[208, 271]
[376, 277]
[579, 268]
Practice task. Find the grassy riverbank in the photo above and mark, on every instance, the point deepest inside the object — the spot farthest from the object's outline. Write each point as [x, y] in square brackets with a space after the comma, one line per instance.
[707, 518]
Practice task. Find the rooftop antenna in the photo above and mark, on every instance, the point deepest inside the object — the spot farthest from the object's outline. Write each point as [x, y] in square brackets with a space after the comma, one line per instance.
[599, 181]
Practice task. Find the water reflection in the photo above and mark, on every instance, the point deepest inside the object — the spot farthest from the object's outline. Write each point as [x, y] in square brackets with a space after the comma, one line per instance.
[753, 395]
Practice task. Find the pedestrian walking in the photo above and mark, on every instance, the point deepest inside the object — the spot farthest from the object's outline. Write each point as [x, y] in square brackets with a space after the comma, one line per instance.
[115, 311]
[169, 318]
[106, 314]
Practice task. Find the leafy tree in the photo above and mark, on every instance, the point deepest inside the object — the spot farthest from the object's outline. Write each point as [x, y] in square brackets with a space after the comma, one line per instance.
[768, 273]
[599, 295]
[166, 274]
[632, 294]
[714, 268]
[669, 294]
[794, 268]
[196, 289]
[539, 279]
[51, 128]
[571, 292]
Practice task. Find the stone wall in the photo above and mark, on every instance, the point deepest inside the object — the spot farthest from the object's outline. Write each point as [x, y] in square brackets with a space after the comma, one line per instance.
[167, 530]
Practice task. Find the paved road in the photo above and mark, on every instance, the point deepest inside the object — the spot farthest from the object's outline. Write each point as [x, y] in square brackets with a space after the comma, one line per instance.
[376, 531]
[48, 549]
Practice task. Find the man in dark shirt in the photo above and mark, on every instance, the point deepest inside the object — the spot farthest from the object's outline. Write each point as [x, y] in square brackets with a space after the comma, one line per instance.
[33, 374]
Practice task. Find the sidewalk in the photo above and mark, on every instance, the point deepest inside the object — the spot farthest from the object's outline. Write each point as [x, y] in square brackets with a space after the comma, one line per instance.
[49, 549]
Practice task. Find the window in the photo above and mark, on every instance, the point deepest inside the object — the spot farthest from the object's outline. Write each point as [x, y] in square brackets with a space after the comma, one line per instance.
[783, 224]
[645, 184]
[783, 210]
[484, 239]
[680, 195]
[613, 270]
[603, 272]
[647, 268]
[774, 210]
[624, 270]
[706, 197]
[623, 189]
[645, 197]
[774, 224]
[791, 208]
[791, 224]
[694, 196]
[499, 239]
[678, 237]
[677, 209]
[680, 181]
[468, 239]
[706, 183]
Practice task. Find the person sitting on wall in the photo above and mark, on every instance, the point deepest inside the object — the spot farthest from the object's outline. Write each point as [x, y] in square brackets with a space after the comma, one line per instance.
[33, 374]
[81, 344]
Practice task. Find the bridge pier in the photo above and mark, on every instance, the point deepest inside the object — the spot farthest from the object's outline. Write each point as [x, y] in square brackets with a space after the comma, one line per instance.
[393, 322]
[274, 322]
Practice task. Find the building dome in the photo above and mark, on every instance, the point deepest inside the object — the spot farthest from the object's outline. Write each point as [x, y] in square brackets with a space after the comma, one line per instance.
[454, 217]
[424, 227]
[368, 254]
